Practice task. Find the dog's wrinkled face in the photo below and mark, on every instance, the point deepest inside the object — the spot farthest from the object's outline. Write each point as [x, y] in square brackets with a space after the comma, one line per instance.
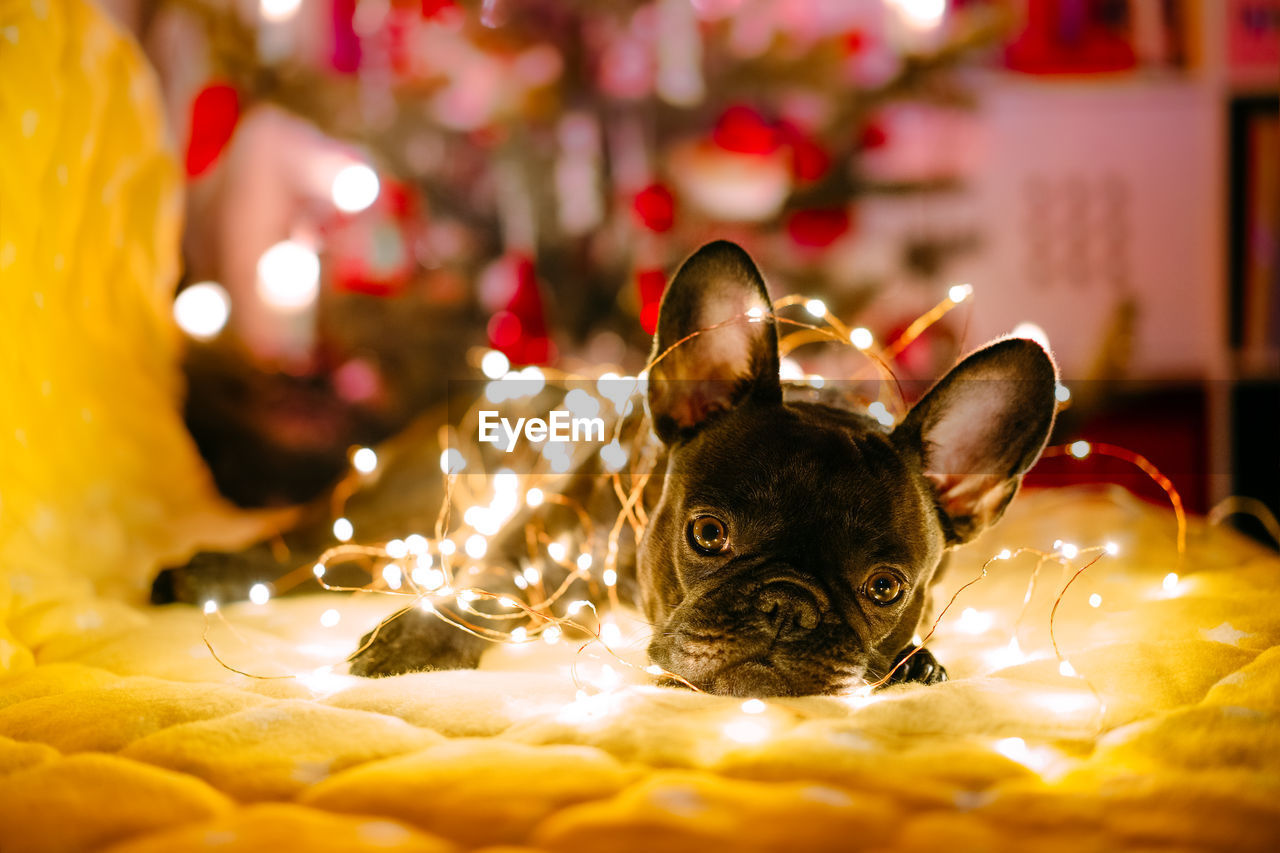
[794, 543]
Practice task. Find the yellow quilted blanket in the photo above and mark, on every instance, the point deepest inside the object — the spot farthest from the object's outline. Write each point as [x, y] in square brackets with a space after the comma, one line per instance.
[1157, 729]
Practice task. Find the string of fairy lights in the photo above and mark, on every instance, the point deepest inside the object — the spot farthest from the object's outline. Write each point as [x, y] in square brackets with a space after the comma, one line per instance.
[427, 571]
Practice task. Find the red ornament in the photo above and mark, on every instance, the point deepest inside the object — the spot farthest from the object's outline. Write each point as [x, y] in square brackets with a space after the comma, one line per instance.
[214, 113]
[346, 53]
[1068, 37]
[874, 136]
[651, 283]
[520, 331]
[744, 131]
[818, 228]
[438, 8]
[656, 207]
[809, 161]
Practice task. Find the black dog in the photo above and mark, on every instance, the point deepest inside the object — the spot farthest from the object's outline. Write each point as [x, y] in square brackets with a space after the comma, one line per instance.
[791, 544]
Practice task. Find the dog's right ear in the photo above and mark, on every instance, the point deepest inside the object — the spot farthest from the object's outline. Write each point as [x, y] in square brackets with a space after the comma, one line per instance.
[719, 294]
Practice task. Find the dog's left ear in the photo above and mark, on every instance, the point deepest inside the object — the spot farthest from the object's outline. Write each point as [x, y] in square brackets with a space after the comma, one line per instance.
[978, 431]
[719, 295]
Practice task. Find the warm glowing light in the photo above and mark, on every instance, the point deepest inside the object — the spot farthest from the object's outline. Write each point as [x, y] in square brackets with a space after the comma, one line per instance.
[1005, 554]
[428, 579]
[426, 606]
[343, 530]
[210, 607]
[753, 706]
[1095, 600]
[330, 617]
[584, 561]
[397, 549]
[354, 188]
[365, 460]
[392, 575]
[278, 10]
[746, 731]
[476, 546]
[755, 315]
[789, 370]
[448, 546]
[259, 593]
[557, 551]
[610, 633]
[654, 669]
[1111, 548]
[417, 544]
[530, 574]
[451, 461]
[974, 621]
[1170, 581]
[816, 307]
[519, 635]
[880, 412]
[533, 497]
[1065, 703]
[318, 570]
[1069, 551]
[609, 576]
[202, 309]
[614, 456]
[495, 364]
[289, 277]
[917, 640]
[861, 338]
[960, 292]
[1005, 656]
[505, 481]
[1032, 332]
[921, 14]
[575, 606]
[551, 634]
[1061, 393]
[1079, 449]
[1014, 748]
[1066, 670]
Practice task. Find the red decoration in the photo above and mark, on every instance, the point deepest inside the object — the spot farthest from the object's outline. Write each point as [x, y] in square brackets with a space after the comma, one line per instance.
[818, 228]
[438, 8]
[655, 206]
[214, 113]
[651, 283]
[1068, 37]
[744, 131]
[874, 136]
[520, 331]
[809, 161]
[346, 53]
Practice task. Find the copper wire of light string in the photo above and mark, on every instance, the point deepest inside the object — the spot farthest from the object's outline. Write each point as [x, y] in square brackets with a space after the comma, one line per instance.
[537, 612]
[1053, 638]
[1244, 505]
[934, 627]
[1143, 464]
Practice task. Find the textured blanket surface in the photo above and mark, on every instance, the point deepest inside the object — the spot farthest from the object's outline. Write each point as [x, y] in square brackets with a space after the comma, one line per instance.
[1164, 734]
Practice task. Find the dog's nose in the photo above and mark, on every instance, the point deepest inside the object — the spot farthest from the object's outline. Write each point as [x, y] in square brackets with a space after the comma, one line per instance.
[789, 607]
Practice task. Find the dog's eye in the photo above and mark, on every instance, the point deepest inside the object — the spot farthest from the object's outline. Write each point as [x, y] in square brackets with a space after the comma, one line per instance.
[708, 535]
[884, 587]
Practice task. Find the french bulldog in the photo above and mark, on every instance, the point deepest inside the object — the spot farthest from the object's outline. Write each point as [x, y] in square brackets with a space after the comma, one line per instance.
[791, 543]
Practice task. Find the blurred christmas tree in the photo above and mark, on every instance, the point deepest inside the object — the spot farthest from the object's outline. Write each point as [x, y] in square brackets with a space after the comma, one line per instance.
[539, 166]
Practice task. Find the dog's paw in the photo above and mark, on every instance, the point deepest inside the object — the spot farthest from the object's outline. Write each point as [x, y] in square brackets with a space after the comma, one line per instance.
[921, 668]
[415, 641]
